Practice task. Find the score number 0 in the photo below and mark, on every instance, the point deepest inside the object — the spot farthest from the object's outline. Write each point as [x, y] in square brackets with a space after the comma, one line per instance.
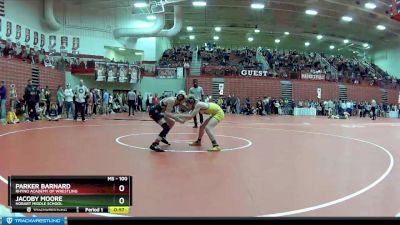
[121, 188]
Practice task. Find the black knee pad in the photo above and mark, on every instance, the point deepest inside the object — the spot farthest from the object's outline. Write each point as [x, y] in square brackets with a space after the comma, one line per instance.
[165, 130]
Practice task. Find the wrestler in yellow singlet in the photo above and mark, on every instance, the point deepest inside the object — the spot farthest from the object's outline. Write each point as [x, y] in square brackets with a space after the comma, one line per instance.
[216, 116]
[215, 111]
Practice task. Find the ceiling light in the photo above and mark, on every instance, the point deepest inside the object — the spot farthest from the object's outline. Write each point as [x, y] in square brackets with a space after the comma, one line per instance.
[189, 28]
[199, 3]
[311, 12]
[287, 33]
[354, 52]
[381, 27]
[218, 29]
[256, 30]
[257, 6]
[277, 41]
[347, 18]
[319, 37]
[332, 47]
[370, 5]
[346, 41]
[138, 53]
[250, 39]
[191, 37]
[216, 38]
[122, 49]
[140, 4]
[307, 44]
[151, 17]
[365, 45]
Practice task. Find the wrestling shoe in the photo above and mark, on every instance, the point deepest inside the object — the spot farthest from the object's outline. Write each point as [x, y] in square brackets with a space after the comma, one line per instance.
[215, 149]
[156, 148]
[165, 141]
[195, 143]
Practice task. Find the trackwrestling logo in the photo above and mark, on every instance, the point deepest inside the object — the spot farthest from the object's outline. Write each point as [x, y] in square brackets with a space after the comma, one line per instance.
[33, 220]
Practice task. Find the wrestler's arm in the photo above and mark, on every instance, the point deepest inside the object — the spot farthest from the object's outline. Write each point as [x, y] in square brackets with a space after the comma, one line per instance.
[194, 112]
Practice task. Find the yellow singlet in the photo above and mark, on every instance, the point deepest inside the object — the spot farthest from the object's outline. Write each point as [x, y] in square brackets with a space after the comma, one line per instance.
[215, 111]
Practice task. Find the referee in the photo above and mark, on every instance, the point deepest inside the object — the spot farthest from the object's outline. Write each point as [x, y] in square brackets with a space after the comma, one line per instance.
[131, 102]
[198, 94]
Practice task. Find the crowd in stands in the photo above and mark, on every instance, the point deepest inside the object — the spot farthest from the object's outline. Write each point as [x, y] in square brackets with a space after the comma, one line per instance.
[330, 108]
[176, 57]
[280, 64]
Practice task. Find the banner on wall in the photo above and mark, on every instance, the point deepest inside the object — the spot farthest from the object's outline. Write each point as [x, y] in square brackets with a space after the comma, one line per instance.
[52, 43]
[18, 32]
[221, 89]
[179, 72]
[9, 29]
[64, 42]
[100, 71]
[35, 38]
[122, 75]
[310, 76]
[111, 72]
[133, 74]
[75, 43]
[42, 40]
[319, 93]
[27, 35]
[399, 98]
[166, 73]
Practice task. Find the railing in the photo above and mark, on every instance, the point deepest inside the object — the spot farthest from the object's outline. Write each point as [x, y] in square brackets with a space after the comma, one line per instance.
[332, 69]
[261, 58]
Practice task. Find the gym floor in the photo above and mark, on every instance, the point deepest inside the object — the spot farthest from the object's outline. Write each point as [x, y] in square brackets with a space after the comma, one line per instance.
[270, 166]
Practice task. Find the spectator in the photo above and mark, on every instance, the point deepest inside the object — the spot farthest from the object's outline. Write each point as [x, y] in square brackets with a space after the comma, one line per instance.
[13, 97]
[47, 94]
[3, 96]
[53, 113]
[43, 102]
[12, 117]
[373, 108]
[106, 99]
[60, 99]
[89, 103]
[31, 96]
[140, 102]
[68, 95]
[81, 92]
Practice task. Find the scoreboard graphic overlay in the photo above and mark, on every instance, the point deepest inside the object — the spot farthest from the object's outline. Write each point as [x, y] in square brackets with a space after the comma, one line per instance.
[70, 194]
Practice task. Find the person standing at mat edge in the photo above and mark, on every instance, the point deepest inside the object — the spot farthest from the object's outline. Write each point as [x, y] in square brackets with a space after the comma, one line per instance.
[3, 96]
[373, 109]
[198, 94]
[131, 102]
[81, 92]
